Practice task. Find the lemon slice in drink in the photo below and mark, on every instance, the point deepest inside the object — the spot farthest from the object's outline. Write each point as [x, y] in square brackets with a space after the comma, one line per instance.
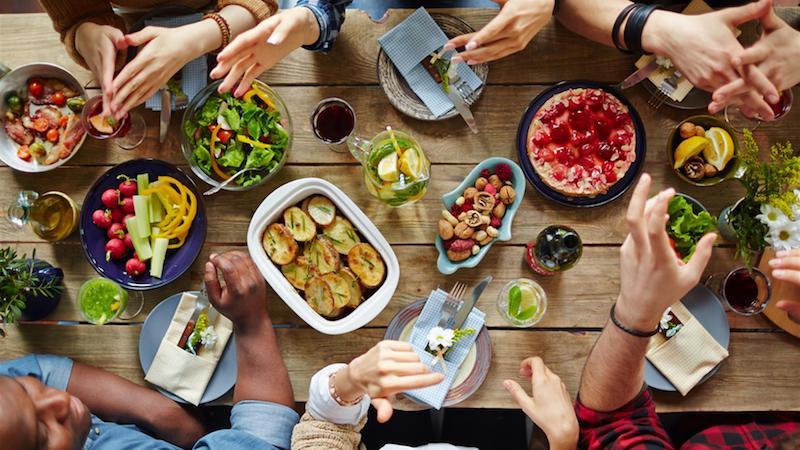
[720, 152]
[411, 163]
[688, 148]
[387, 168]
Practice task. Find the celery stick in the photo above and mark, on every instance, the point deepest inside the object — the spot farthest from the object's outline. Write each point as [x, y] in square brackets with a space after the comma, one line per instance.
[142, 182]
[159, 254]
[141, 245]
[156, 209]
[153, 232]
[141, 207]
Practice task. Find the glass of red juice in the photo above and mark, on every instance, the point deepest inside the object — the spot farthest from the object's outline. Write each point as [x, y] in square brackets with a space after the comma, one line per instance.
[128, 133]
[743, 291]
[332, 122]
[784, 104]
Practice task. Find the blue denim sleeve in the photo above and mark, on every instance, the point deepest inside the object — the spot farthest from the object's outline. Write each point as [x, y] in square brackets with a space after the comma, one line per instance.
[330, 17]
[254, 424]
[54, 371]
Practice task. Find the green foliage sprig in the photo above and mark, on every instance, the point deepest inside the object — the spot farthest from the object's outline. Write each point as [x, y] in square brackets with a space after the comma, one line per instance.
[17, 282]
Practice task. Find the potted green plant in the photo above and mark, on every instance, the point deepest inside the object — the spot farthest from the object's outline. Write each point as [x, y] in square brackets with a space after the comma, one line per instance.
[29, 288]
[769, 213]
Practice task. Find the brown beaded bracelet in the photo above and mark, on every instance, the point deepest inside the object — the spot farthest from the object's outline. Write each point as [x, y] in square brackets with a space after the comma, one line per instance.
[223, 28]
[631, 331]
[335, 395]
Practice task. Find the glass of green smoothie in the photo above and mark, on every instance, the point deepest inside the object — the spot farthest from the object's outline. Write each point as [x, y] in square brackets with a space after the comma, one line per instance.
[102, 300]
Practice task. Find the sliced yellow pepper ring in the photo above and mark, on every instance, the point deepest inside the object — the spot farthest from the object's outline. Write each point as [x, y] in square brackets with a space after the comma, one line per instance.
[182, 206]
[262, 95]
[254, 143]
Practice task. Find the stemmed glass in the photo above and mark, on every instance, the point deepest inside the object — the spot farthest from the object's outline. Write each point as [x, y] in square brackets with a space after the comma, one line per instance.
[738, 121]
[128, 134]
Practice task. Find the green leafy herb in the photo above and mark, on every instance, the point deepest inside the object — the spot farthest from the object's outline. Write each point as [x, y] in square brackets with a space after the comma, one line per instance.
[685, 227]
[17, 282]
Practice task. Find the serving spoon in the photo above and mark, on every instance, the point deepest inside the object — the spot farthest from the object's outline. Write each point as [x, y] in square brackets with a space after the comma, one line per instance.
[219, 187]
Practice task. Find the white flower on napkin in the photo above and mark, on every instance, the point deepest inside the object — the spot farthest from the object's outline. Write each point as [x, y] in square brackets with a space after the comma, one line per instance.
[440, 338]
[664, 62]
[208, 337]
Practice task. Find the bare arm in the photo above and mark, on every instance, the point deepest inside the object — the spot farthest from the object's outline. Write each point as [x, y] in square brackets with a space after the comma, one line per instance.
[590, 18]
[109, 396]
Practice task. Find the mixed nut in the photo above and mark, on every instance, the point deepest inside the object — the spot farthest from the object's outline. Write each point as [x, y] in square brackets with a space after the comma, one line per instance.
[475, 218]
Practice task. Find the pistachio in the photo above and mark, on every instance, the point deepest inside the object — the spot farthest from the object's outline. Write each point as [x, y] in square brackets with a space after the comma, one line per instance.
[473, 219]
[484, 202]
[507, 195]
[687, 130]
[449, 217]
[470, 193]
[710, 170]
[481, 183]
[446, 230]
[695, 168]
[499, 210]
[495, 181]
[460, 201]
[480, 235]
[463, 230]
[492, 231]
[475, 249]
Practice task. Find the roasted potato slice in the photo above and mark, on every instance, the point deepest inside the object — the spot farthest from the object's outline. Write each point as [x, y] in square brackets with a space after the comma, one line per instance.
[320, 297]
[355, 288]
[367, 264]
[342, 234]
[321, 253]
[339, 288]
[299, 272]
[321, 210]
[279, 244]
[299, 224]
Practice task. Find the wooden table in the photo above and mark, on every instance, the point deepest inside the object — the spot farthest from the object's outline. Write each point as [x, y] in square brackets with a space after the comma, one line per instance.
[761, 373]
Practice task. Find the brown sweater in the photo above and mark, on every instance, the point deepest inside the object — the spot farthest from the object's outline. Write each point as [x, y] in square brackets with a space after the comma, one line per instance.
[67, 15]
[313, 434]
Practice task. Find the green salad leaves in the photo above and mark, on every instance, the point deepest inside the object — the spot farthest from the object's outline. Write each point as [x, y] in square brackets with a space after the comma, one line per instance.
[685, 227]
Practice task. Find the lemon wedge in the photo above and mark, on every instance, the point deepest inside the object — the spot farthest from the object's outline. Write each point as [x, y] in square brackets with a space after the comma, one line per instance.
[720, 152]
[688, 148]
[411, 163]
[387, 168]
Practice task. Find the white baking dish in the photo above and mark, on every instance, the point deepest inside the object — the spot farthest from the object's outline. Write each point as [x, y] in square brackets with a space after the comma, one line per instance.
[271, 210]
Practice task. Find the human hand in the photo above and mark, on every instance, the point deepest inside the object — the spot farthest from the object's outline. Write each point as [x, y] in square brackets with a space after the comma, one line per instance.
[786, 267]
[652, 278]
[243, 297]
[549, 406]
[509, 32]
[386, 369]
[776, 54]
[706, 62]
[98, 44]
[260, 48]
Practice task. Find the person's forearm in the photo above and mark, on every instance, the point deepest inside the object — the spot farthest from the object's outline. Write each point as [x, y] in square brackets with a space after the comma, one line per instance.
[591, 19]
[206, 35]
[261, 374]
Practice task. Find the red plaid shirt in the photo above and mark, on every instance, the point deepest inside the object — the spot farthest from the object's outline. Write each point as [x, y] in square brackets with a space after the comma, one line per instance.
[635, 426]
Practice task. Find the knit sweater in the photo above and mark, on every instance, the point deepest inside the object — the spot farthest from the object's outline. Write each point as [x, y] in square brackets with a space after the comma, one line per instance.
[313, 434]
[67, 15]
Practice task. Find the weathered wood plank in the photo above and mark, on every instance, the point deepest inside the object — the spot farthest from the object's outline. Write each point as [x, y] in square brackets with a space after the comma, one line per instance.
[731, 389]
[579, 298]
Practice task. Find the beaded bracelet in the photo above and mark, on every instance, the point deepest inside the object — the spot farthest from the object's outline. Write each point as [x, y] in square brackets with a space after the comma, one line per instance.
[223, 28]
[631, 331]
[335, 395]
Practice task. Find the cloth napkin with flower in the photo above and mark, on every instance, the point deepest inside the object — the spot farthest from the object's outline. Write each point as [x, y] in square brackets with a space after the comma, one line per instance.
[443, 350]
[683, 350]
[185, 371]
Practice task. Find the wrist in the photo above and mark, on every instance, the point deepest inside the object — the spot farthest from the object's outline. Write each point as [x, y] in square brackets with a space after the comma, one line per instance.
[656, 32]
[311, 26]
[634, 316]
[346, 388]
[248, 326]
[205, 36]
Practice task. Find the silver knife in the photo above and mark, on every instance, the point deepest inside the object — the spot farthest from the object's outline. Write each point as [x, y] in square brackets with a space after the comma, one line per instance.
[166, 113]
[201, 304]
[466, 308]
[458, 101]
[636, 77]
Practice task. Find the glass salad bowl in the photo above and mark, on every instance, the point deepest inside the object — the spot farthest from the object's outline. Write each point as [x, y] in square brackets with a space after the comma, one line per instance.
[221, 135]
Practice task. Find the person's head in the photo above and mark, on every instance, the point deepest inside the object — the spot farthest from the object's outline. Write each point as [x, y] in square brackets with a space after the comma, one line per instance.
[35, 416]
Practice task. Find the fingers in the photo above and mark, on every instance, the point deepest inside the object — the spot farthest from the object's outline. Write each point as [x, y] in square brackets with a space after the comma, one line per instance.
[384, 408]
[494, 30]
[251, 38]
[742, 14]
[494, 51]
[752, 55]
[108, 58]
[143, 36]
[399, 346]
[789, 276]
[792, 308]
[525, 402]
[123, 84]
[458, 41]
[281, 30]
[726, 93]
[701, 256]
[236, 73]
[657, 223]
[404, 369]
[226, 265]
[406, 383]
[247, 80]
[212, 283]
[636, 210]
[786, 262]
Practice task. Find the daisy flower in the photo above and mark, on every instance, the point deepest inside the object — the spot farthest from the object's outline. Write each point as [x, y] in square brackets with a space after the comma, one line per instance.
[440, 338]
[784, 237]
[772, 217]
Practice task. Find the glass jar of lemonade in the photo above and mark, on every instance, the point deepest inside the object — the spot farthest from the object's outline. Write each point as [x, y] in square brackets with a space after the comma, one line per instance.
[395, 169]
[522, 303]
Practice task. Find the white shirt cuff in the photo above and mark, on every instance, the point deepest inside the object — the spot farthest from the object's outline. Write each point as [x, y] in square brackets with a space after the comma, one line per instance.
[322, 406]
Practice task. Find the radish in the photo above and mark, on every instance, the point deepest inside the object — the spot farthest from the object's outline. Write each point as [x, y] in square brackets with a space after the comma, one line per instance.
[116, 230]
[117, 216]
[127, 204]
[115, 249]
[101, 218]
[110, 198]
[128, 242]
[135, 267]
[128, 187]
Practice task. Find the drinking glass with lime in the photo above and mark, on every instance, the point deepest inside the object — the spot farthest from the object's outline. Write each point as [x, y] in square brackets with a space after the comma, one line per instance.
[101, 301]
[522, 303]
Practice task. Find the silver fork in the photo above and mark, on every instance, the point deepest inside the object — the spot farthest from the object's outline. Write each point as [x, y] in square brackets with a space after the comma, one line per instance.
[666, 88]
[451, 304]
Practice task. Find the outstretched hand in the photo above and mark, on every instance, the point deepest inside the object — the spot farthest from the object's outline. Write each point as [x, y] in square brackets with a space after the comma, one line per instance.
[242, 295]
[99, 44]
[786, 267]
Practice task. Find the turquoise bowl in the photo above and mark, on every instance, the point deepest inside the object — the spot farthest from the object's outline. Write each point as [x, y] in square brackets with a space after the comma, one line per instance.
[444, 264]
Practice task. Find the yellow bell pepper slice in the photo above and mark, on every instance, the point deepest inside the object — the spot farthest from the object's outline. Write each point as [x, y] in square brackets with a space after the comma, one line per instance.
[246, 140]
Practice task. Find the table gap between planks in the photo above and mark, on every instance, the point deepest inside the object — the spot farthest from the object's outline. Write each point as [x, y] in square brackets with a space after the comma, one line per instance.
[752, 379]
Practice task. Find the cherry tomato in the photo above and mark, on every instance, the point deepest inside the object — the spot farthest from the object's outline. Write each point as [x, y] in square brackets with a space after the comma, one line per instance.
[35, 88]
[211, 127]
[63, 121]
[59, 99]
[52, 135]
[224, 136]
[41, 125]
[23, 153]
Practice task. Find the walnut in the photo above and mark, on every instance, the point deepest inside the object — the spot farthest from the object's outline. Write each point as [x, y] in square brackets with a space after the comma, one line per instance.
[446, 230]
[470, 193]
[710, 170]
[484, 202]
[699, 131]
[495, 181]
[463, 230]
[507, 195]
[687, 130]
[481, 183]
[695, 168]
[473, 219]
[499, 210]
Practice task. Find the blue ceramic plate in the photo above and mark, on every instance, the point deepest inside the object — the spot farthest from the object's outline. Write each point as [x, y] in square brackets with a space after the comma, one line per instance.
[619, 187]
[706, 308]
[444, 264]
[93, 239]
[153, 331]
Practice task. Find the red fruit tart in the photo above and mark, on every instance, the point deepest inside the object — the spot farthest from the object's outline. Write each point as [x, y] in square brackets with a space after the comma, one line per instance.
[581, 142]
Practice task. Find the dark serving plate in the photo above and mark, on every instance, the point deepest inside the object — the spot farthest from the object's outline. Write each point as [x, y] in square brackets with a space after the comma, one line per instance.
[619, 188]
[93, 239]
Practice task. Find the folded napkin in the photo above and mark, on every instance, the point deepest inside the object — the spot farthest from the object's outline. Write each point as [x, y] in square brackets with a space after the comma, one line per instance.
[685, 358]
[408, 44]
[180, 372]
[194, 75]
[429, 318]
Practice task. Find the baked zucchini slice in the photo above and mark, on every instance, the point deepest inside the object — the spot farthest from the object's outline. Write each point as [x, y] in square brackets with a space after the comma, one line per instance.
[279, 244]
[299, 224]
[367, 264]
[342, 234]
